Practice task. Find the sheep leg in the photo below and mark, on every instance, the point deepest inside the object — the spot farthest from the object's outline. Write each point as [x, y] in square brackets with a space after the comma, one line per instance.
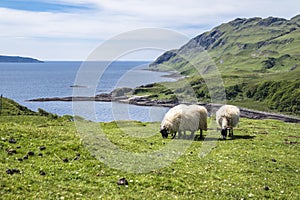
[224, 133]
[230, 132]
[173, 135]
[201, 133]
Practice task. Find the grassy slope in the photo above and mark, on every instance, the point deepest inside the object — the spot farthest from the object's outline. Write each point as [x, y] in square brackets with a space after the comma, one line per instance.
[245, 44]
[248, 52]
[261, 161]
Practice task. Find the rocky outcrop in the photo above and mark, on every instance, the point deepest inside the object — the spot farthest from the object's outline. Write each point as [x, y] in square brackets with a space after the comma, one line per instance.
[100, 97]
[164, 57]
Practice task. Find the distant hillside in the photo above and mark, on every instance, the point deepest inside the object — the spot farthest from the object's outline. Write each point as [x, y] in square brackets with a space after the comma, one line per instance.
[249, 44]
[18, 59]
[258, 59]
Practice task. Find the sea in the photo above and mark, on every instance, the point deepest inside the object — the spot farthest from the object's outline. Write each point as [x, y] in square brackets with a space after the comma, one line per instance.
[24, 81]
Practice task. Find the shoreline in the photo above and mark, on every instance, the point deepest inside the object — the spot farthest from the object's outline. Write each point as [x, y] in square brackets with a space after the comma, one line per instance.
[146, 101]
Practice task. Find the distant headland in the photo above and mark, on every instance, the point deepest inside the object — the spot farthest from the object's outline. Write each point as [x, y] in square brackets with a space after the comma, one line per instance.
[18, 59]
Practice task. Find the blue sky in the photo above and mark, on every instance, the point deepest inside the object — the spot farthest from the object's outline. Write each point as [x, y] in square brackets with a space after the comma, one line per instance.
[72, 29]
[44, 6]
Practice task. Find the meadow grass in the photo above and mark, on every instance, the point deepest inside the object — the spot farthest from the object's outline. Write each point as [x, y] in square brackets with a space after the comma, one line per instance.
[260, 162]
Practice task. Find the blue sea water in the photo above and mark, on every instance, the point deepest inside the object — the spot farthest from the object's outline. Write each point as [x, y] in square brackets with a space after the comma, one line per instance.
[24, 81]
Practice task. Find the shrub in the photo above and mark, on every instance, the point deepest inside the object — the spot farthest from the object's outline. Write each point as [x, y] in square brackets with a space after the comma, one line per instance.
[42, 112]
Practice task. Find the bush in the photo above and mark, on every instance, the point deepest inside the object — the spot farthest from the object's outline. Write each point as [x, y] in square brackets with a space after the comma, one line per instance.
[286, 98]
[233, 91]
[283, 96]
[269, 63]
[42, 112]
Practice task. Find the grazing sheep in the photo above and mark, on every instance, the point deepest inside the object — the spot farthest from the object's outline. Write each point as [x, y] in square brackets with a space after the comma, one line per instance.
[172, 120]
[183, 118]
[201, 110]
[227, 117]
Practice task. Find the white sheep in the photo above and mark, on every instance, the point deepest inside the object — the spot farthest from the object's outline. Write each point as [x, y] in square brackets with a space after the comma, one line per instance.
[172, 121]
[183, 118]
[202, 118]
[227, 117]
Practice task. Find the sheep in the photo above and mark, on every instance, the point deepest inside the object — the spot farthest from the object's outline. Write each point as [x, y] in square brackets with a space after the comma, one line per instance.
[227, 117]
[183, 118]
[202, 118]
[171, 121]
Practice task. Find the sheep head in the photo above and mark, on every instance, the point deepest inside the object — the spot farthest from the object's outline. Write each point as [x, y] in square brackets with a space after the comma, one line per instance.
[164, 132]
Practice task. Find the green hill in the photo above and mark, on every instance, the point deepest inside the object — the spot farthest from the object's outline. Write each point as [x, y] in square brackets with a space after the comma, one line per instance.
[249, 54]
[248, 44]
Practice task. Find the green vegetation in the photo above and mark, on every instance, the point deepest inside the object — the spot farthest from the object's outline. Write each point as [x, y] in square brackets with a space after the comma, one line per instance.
[44, 158]
[10, 107]
[249, 54]
[265, 95]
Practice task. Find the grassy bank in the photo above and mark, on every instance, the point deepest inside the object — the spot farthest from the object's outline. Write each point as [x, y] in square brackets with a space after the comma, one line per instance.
[44, 157]
[268, 92]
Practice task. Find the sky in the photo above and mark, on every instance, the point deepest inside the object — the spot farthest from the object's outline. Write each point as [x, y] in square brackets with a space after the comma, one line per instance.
[73, 29]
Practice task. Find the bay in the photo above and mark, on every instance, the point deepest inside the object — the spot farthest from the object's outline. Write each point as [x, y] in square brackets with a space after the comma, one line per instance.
[24, 81]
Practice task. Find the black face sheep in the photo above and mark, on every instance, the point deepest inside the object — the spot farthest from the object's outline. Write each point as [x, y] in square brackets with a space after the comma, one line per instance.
[227, 117]
[171, 121]
[183, 118]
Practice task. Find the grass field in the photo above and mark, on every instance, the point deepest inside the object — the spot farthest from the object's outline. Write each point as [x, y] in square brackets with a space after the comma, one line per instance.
[46, 157]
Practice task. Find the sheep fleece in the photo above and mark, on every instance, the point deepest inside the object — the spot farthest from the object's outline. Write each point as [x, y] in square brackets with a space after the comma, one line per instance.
[185, 118]
[230, 113]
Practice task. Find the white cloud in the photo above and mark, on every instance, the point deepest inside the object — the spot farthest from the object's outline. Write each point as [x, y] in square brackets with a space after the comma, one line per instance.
[75, 34]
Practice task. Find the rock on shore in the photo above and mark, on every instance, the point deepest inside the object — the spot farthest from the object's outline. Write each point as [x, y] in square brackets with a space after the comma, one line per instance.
[121, 97]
